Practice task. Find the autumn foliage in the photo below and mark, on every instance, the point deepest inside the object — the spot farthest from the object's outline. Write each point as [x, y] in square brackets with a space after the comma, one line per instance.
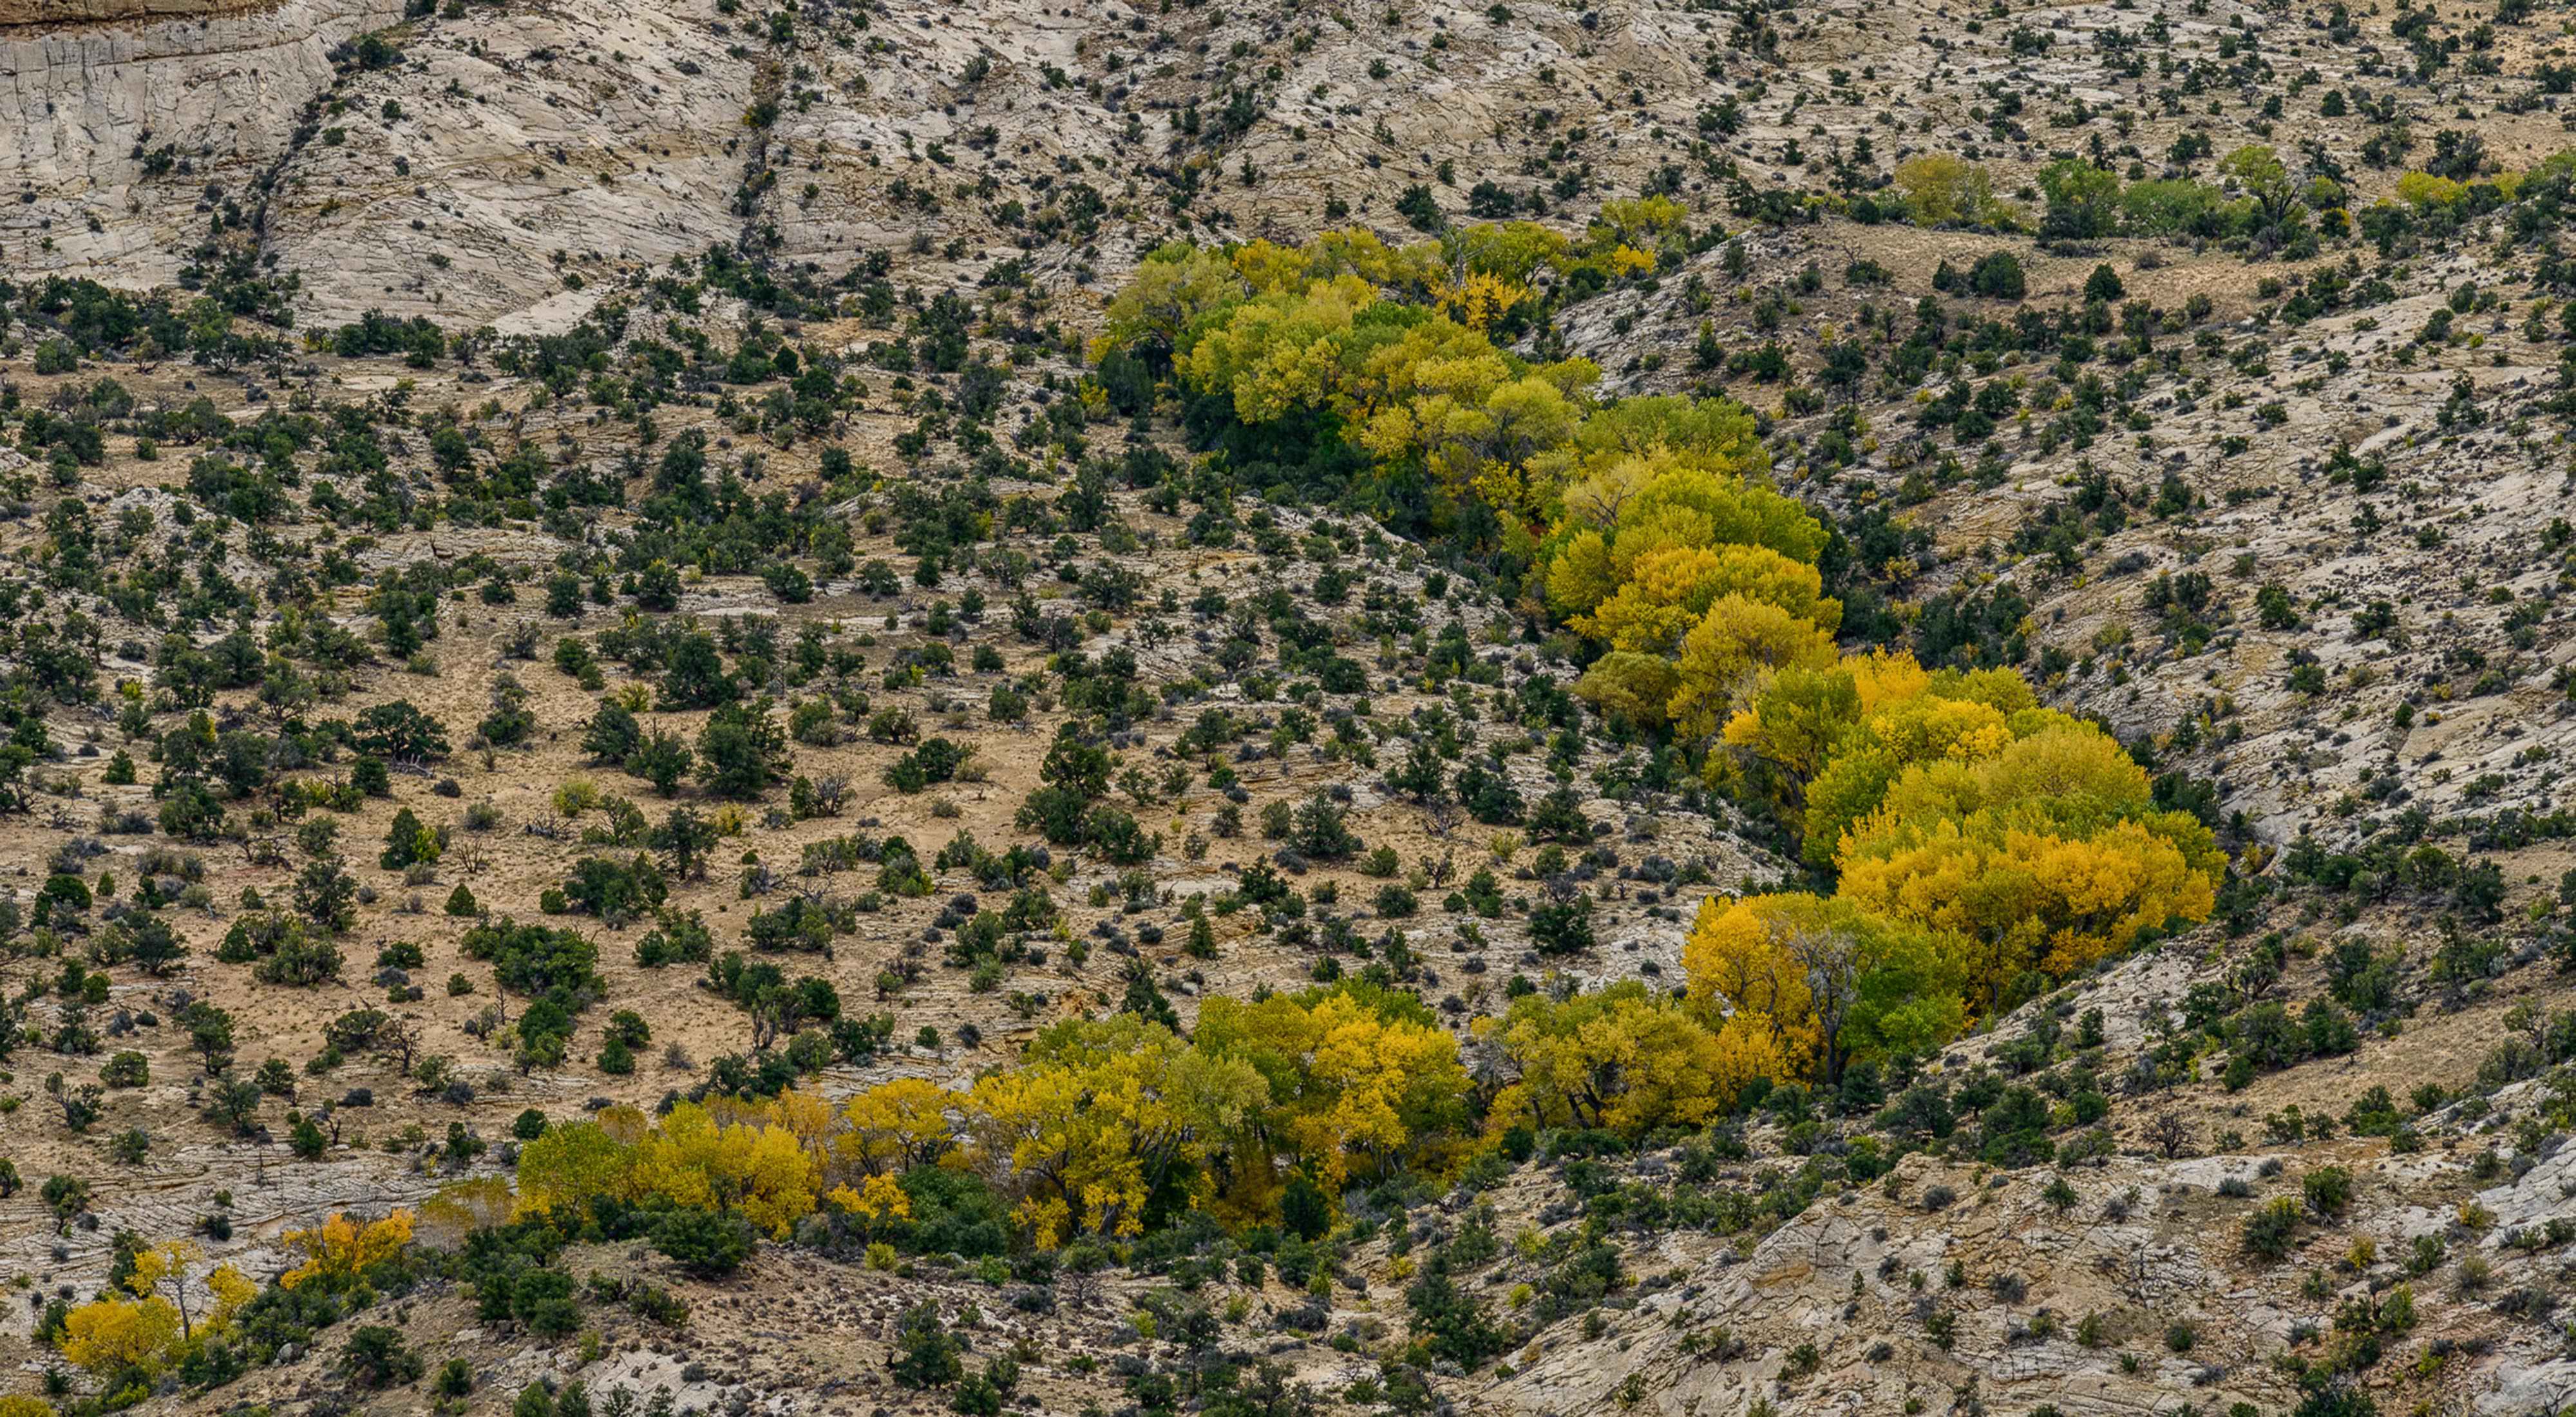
[342, 1247]
[172, 1306]
[1979, 845]
[1100, 1124]
[1391, 352]
[2029, 844]
[1627, 1060]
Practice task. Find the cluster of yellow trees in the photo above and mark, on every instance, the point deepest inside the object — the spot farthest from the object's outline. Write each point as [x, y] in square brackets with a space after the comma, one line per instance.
[341, 1247]
[1670, 550]
[1475, 273]
[1780, 988]
[2024, 840]
[2427, 190]
[1978, 840]
[1096, 1118]
[760, 1159]
[168, 1306]
[1659, 531]
[1391, 342]
[1624, 1059]
[1342, 1085]
[1101, 1118]
[165, 1312]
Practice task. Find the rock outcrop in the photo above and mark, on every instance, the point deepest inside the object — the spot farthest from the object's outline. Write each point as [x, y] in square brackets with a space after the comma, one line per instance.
[124, 129]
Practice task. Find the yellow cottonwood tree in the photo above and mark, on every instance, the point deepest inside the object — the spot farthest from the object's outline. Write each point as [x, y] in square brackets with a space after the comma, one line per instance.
[1279, 352]
[113, 1334]
[1476, 425]
[1824, 980]
[1670, 589]
[1358, 1079]
[166, 1265]
[573, 1164]
[1352, 251]
[1834, 739]
[1369, 1077]
[1267, 266]
[895, 1126]
[1507, 250]
[1619, 1058]
[875, 1200]
[763, 1159]
[1919, 731]
[340, 1246]
[1477, 300]
[1658, 500]
[1739, 968]
[1792, 725]
[1702, 583]
[1172, 290]
[1098, 1115]
[758, 1169]
[1408, 355]
[2063, 776]
[2026, 900]
[1636, 685]
[1034, 1130]
[1727, 653]
[1624, 443]
[816, 1124]
[165, 1268]
[1637, 221]
[2047, 855]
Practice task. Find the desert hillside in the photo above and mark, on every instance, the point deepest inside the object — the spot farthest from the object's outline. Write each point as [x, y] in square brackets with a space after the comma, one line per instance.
[1269, 710]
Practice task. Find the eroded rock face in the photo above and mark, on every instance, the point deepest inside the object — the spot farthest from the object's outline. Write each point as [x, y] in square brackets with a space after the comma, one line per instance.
[590, 142]
[507, 163]
[1828, 1313]
[1853, 1306]
[56, 13]
[121, 116]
